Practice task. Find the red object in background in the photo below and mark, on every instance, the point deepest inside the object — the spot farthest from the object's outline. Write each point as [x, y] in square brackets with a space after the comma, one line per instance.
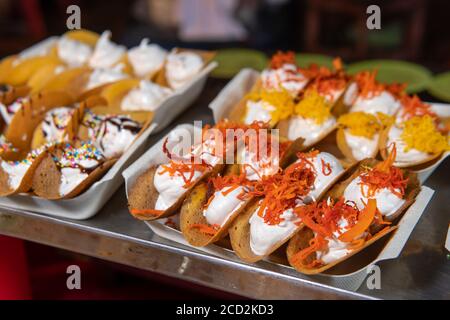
[14, 281]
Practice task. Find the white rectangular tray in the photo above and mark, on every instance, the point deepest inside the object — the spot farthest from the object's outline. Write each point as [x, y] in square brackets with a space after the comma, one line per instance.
[241, 84]
[90, 202]
[351, 281]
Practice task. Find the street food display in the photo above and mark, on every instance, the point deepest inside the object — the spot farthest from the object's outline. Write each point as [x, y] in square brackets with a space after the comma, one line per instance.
[317, 205]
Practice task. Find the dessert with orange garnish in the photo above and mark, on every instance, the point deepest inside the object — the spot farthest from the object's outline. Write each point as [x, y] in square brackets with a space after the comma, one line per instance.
[393, 188]
[161, 189]
[214, 204]
[332, 232]
[269, 221]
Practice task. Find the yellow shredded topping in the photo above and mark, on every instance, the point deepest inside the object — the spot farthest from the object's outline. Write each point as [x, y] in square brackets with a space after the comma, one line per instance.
[281, 100]
[420, 133]
[364, 124]
[313, 106]
[360, 124]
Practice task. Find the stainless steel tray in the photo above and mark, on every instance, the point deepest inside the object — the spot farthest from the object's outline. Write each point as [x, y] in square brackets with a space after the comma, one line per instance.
[421, 271]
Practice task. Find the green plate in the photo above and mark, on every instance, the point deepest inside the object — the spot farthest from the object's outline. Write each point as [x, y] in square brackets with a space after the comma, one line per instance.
[231, 61]
[439, 87]
[417, 77]
[305, 59]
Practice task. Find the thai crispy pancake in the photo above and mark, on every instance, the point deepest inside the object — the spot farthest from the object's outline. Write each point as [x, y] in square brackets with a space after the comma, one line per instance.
[411, 191]
[302, 240]
[28, 163]
[71, 80]
[71, 127]
[24, 122]
[47, 178]
[240, 230]
[191, 212]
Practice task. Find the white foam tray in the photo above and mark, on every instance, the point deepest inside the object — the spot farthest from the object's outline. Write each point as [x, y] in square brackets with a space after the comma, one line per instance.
[351, 281]
[90, 202]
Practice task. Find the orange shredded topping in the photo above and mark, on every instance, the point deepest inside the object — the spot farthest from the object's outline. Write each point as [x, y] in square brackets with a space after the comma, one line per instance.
[413, 106]
[326, 81]
[207, 229]
[365, 219]
[369, 87]
[151, 212]
[326, 167]
[282, 190]
[233, 182]
[384, 175]
[324, 219]
[280, 58]
[186, 168]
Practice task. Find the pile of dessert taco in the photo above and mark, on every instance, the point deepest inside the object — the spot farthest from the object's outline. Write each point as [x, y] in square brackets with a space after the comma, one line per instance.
[70, 106]
[316, 207]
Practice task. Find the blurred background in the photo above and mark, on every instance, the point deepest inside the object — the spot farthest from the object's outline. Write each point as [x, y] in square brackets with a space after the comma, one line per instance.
[415, 30]
[412, 30]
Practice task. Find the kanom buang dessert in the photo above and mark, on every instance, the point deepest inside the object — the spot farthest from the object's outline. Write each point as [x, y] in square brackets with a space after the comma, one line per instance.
[213, 204]
[269, 221]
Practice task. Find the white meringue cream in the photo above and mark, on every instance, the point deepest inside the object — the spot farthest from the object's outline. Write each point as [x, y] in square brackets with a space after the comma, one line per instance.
[106, 53]
[222, 207]
[102, 76]
[387, 202]
[384, 102]
[361, 147]
[308, 129]
[147, 59]
[182, 67]
[263, 236]
[258, 111]
[74, 53]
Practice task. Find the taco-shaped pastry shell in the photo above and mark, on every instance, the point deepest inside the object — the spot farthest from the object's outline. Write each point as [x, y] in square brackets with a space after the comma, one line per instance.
[21, 171]
[48, 177]
[6, 65]
[191, 212]
[283, 126]
[24, 122]
[43, 76]
[9, 94]
[302, 240]
[207, 56]
[411, 191]
[70, 80]
[70, 129]
[143, 195]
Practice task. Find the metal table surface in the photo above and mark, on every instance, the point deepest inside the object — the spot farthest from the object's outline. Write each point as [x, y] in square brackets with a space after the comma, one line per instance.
[421, 272]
